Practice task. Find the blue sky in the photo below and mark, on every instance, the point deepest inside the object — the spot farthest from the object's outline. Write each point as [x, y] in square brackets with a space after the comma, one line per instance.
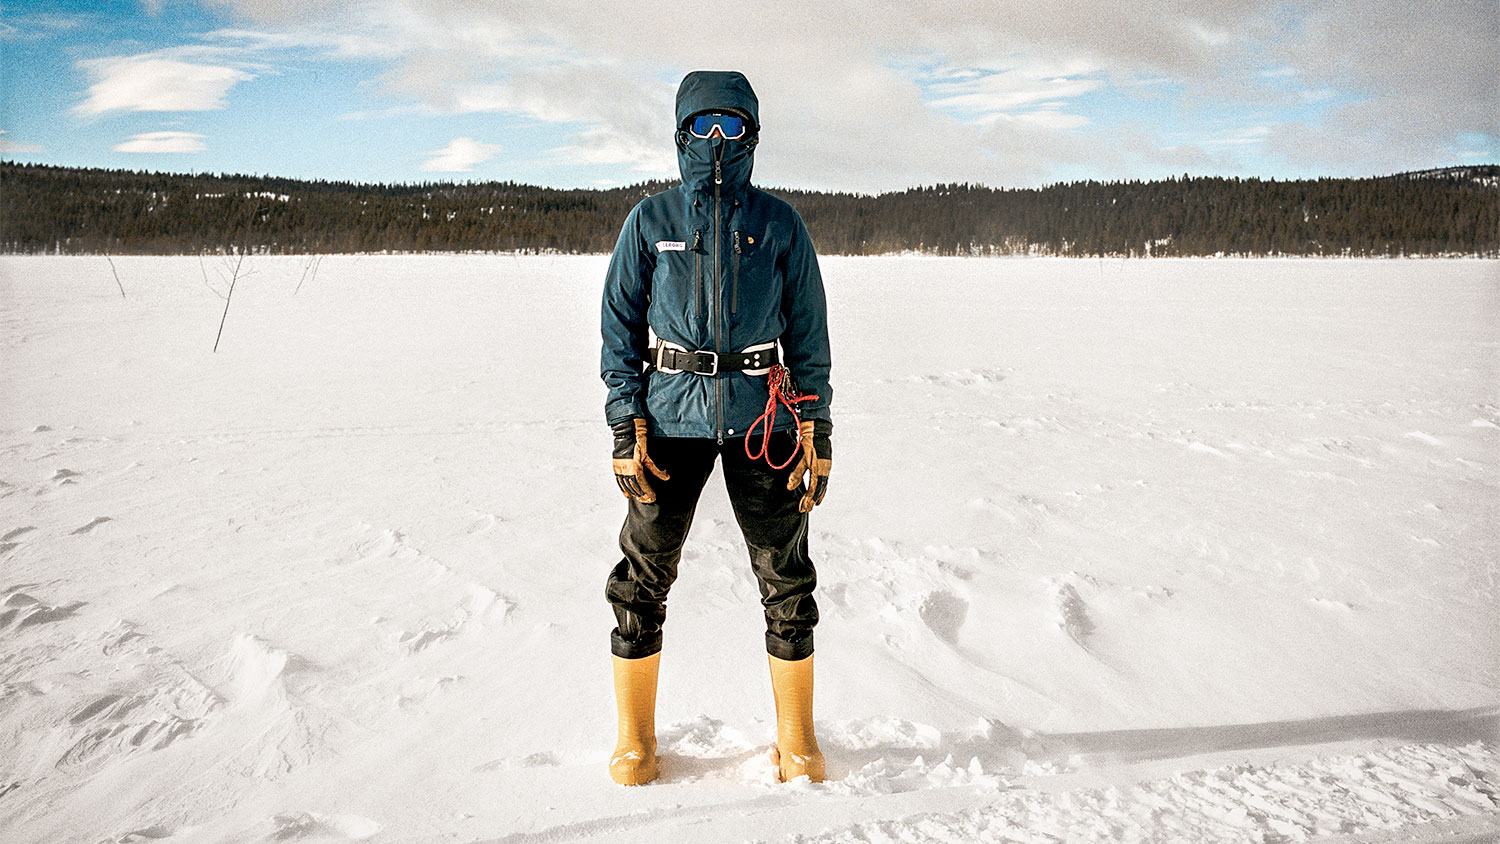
[865, 96]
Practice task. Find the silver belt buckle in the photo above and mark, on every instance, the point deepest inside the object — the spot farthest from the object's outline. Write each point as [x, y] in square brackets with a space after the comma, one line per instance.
[667, 370]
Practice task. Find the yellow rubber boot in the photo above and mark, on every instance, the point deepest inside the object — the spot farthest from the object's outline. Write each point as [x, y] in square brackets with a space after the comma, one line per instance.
[634, 759]
[796, 753]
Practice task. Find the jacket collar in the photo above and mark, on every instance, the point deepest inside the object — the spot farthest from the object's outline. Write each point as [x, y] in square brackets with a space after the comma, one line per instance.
[696, 158]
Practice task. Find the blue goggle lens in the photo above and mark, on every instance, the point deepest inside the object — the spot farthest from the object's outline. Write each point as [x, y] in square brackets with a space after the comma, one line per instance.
[729, 126]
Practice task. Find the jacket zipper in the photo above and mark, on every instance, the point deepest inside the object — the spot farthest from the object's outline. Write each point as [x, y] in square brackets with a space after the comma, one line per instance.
[734, 297]
[718, 382]
[697, 275]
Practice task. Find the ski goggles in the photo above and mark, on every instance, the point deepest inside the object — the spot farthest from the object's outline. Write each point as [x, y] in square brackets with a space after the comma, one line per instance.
[729, 126]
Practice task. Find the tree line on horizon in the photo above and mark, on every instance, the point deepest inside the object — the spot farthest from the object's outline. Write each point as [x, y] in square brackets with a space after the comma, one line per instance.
[62, 210]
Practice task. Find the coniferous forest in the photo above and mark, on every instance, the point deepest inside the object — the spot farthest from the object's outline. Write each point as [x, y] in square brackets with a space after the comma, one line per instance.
[59, 210]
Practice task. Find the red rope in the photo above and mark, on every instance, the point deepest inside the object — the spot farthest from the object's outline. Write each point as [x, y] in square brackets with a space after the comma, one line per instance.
[781, 393]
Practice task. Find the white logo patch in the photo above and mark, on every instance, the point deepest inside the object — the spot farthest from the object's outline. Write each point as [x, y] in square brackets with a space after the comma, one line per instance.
[671, 245]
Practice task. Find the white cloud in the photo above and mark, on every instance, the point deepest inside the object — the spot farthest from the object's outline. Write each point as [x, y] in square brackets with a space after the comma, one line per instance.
[460, 156]
[654, 158]
[982, 91]
[162, 142]
[336, 42]
[38, 25]
[1052, 118]
[7, 145]
[1212, 36]
[845, 102]
[863, 96]
[152, 83]
[1246, 135]
[1413, 78]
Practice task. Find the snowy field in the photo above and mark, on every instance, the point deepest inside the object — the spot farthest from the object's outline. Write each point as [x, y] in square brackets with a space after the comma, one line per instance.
[1172, 550]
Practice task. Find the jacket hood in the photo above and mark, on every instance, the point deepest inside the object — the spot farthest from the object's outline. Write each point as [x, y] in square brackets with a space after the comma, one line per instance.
[702, 90]
[705, 162]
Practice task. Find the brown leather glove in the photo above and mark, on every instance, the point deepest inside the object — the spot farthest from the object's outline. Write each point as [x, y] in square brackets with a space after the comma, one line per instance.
[815, 460]
[631, 461]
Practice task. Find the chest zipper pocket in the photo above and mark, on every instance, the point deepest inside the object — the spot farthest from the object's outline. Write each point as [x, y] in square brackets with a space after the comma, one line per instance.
[734, 289]
[697, 275]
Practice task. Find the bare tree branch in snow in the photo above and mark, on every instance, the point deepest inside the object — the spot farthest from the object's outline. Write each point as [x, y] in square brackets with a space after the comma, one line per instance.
[236, 274]
[117, 276]
[232, 279]
[312, 264]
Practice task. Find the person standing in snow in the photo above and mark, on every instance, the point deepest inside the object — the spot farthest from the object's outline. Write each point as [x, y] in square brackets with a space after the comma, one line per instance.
[713, 288]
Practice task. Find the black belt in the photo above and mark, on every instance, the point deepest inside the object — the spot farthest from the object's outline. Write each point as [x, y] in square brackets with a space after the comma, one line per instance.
[669, 359]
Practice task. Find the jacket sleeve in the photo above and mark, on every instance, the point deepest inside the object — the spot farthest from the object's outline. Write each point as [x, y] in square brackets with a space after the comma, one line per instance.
[624, 324]
[804, 344]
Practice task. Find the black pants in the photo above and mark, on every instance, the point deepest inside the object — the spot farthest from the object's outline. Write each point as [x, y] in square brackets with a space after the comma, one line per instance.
[774, 530]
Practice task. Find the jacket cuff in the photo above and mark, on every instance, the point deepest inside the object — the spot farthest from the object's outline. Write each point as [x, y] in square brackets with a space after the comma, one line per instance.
[623, 410]
[817, 411]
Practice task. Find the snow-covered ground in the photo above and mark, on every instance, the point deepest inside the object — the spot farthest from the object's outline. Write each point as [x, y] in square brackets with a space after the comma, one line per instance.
[1178, 550]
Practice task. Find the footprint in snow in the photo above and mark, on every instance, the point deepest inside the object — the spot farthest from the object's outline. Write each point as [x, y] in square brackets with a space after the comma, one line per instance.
[483, 523]
[296, 826]
[960, 378]
[147, 833]
[704, 738]
[158, 709]
[1423, 436]
[1205, 448]
[18, 532]
[20, 610]
[98, 520]
[540, 759]
[1073, 614]
[944, 613]
[483, 605]
[1331, 604]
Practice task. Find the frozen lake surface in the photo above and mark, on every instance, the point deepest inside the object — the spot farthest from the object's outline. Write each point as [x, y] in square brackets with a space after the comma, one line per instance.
[1192, 550]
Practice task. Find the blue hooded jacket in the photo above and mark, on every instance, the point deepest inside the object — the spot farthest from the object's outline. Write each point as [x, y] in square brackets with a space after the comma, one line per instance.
[713, 264]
